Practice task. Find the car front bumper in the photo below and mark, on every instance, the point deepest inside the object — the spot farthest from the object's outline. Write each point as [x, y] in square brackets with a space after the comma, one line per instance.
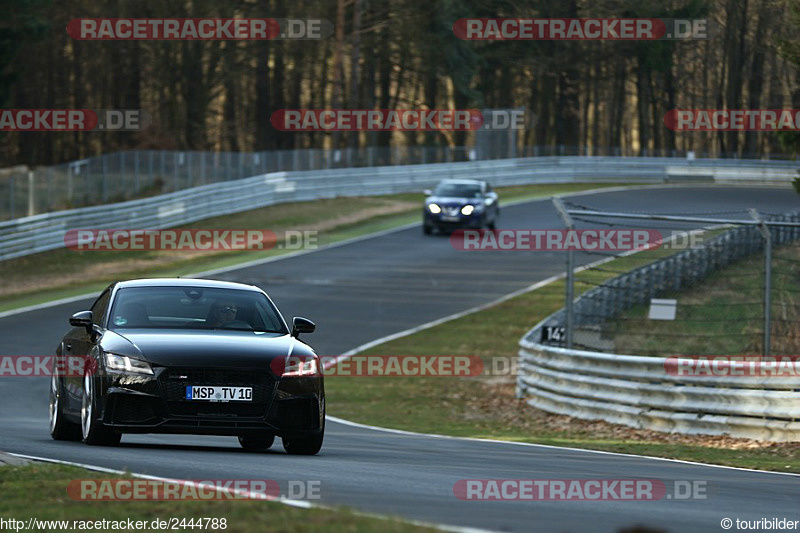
[286, 407]
[439, 220]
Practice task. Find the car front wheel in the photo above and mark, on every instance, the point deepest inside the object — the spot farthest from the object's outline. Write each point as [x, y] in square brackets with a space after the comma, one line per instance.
[305, 445]
[60, 427]
[94, 432]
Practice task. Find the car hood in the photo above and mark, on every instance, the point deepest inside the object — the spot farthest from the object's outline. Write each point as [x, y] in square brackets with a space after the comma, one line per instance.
[453, 201]
[203, 348]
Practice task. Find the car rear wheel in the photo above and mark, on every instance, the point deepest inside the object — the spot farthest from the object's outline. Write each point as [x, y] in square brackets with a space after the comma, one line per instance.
[60, 427]
[93, 431]
[256, 443]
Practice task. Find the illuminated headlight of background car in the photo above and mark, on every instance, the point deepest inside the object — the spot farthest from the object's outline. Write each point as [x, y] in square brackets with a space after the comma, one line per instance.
[123, 363]
[467, 210]
[434, 208]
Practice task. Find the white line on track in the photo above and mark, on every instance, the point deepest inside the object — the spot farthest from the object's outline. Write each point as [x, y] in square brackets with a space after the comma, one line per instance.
[548, 446]
[246, 494]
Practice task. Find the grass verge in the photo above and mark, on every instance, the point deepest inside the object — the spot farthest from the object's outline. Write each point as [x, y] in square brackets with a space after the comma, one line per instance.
[484, 407]
[40, 491]
[723, 314]
[65, 273]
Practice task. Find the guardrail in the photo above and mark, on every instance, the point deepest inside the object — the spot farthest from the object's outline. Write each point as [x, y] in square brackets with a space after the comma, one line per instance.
[44, 232]
[638, 391]
[132, 174]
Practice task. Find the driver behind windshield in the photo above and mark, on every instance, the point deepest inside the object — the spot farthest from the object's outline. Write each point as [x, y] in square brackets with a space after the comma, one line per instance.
[222, 313]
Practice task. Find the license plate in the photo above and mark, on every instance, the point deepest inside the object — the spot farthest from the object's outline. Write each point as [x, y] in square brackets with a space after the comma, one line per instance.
[219, 394]
[448, 218]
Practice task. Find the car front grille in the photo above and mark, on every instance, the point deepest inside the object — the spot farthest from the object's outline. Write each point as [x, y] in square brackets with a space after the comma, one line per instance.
[175, 380]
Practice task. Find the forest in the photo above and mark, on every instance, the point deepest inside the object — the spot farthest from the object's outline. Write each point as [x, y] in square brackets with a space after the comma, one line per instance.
[389, 54]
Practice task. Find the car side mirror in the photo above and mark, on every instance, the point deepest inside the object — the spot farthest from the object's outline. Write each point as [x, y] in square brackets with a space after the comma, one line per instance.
[427, 192]
[82, 319]
[302, 325]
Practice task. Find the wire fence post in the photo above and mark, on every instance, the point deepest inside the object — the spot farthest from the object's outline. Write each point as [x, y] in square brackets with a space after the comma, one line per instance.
[31, 190]
[11, 193]
[176, 182]
[570, 291]
[121, 179]
[136, 171]
[767, 278]
[104, 165]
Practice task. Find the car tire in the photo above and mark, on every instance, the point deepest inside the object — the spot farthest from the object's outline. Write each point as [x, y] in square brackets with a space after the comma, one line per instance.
[492, 225]
[306, 445]
[256, 443]
[60, 427]
[426, 229]
[92, 429]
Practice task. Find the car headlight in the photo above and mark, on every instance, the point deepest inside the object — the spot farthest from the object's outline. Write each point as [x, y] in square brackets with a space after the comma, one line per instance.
[123, 363]
[434, 208]
[467, 210]
[301, 366]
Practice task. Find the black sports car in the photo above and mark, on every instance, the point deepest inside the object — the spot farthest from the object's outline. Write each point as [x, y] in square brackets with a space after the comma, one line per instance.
[460, 204]
[189, 356]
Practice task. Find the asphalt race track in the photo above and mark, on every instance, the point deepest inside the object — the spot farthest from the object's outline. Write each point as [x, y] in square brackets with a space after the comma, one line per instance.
[374, 287]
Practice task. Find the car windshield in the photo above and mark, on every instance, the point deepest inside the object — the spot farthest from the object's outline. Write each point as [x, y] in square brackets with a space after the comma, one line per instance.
[462, 190]
[194, 308]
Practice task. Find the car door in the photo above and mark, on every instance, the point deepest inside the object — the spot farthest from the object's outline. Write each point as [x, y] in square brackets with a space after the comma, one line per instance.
[78, 343]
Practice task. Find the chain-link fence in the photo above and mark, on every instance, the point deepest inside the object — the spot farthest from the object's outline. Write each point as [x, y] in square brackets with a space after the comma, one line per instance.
[728, 285]
[141, 173]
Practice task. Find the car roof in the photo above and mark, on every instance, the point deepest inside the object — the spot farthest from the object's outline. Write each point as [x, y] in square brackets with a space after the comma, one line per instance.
[463, 182]
[185, 282]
